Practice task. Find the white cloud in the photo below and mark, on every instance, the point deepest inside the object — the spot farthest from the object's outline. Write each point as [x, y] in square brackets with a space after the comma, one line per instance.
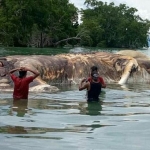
[143, 6]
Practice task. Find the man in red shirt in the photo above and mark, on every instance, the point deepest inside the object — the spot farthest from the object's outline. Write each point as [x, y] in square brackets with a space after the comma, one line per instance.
[21, 83]
[94, 69]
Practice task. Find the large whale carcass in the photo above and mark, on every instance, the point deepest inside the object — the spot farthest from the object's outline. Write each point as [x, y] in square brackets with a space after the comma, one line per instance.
[71, 68]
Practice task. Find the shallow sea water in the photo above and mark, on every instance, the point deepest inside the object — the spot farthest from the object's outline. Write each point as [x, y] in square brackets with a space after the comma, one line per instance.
[64, 120]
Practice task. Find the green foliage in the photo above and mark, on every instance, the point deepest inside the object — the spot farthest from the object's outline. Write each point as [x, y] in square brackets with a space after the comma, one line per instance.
[55, 22]
[113, 26]
[23, 20]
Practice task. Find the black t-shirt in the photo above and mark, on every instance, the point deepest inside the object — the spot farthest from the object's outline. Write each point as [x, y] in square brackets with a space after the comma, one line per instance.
[94, 92]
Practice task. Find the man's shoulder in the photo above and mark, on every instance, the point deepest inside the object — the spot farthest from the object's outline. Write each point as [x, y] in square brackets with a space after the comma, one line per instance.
[100, 78]
[89, 79]
[13, 76]
[29, 78]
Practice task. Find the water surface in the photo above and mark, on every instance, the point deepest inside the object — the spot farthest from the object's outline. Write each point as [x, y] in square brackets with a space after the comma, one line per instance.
[64, 120]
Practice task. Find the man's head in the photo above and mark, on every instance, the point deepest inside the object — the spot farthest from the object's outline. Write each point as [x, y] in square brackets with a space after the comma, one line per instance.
[94, 68]
[22, 74]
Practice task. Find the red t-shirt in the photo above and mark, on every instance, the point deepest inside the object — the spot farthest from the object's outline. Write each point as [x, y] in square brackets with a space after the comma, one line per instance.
[100, 79]
[21, 86]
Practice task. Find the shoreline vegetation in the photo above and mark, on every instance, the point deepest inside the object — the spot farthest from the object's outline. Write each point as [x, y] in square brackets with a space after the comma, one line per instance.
[54, 23]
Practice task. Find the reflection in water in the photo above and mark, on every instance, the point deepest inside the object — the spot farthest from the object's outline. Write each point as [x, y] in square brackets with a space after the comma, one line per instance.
[94, 108]
[65, 118]
[16, 130]
[20, 106]
[38, 130]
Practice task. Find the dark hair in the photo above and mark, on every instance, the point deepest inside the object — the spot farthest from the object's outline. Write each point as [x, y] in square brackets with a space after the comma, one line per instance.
[22, 74]
[94, 68]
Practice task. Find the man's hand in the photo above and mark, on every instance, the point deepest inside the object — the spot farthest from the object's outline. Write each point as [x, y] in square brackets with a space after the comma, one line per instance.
[83, 80]
[23, 69]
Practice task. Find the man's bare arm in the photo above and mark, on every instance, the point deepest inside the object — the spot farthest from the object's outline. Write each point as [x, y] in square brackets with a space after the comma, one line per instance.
[13, 70]
[83, 85]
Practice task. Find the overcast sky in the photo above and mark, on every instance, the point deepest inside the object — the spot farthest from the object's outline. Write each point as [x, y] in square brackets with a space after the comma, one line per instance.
[143, 6]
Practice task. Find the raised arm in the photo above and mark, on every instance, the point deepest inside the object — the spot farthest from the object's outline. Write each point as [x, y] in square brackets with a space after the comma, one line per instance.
[102, 82]
[13, 70]
[83, 85]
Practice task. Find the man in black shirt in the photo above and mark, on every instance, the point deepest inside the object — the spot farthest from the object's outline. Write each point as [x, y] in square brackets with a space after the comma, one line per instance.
[93, 87]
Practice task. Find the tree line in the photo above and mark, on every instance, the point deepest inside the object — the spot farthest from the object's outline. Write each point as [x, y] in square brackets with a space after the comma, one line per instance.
[51, 23]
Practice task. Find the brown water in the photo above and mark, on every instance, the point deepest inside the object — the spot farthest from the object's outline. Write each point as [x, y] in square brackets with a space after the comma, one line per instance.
[64, 120]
